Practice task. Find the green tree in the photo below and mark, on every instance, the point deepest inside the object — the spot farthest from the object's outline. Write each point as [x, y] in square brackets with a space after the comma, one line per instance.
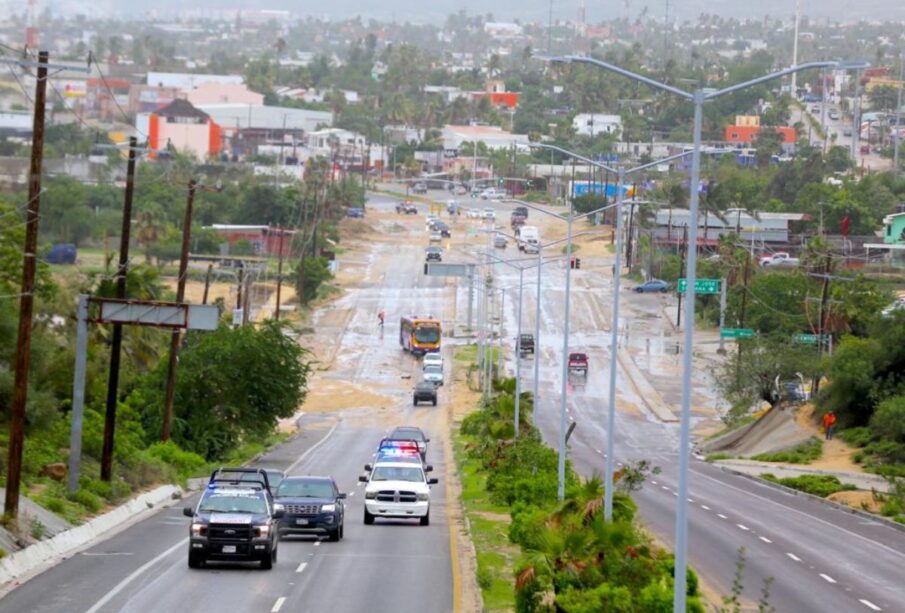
[310, 275]
[232, 386]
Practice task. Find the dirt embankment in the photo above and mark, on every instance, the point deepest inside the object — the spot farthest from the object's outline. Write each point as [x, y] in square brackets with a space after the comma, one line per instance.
[837, 455]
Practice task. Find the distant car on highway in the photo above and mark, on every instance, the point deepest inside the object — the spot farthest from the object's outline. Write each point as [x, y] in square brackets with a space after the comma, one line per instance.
[578, 362]
[355, 212]
[653, 285]
[442, 228]
[424, 392]
[419, 188]
[408, 207]
[833, 114]
[435, 236]
[493, 193]
[311, 505]
[780, 258]
[432, 373]
[433, 254]
[499, 241]
[489, 213]
[473, 213]
[433, 357]
[524, 344]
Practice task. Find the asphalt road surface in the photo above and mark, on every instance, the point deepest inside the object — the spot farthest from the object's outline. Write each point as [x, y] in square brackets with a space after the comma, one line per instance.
[395, 566]
[818, 558]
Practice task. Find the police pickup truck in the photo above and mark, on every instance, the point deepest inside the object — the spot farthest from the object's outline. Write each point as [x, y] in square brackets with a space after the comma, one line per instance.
[398, 486]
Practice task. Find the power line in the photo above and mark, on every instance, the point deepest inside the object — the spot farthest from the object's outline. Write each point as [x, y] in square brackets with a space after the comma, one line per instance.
[112, 95]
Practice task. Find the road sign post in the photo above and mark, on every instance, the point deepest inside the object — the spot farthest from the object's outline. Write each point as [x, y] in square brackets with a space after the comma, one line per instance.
[701, 286]
[736, 333]
[168, 315]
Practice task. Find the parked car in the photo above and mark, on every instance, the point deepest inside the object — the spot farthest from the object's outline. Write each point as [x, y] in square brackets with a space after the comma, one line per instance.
[424, 392]
[493, 193]
[780, 258]
[419, 188]
[654, 285]
[833, 114]
[578, 362]
[499, 241]
[62, 253]
[525, 344]
[489, 213]
[355, 212]
[311, 505]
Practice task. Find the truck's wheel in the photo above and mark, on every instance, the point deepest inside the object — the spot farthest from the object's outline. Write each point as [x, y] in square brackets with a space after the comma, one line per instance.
[434, 401]
[369, 519]
[426, 520]
[267, 562]
[196, 560]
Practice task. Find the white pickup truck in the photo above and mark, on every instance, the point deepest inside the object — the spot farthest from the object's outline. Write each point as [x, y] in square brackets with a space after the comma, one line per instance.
[398, 489]
[528, 237]
[780, 258]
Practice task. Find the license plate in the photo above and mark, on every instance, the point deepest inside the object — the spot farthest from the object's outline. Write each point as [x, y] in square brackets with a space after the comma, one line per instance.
[229, 549]
[301, 522]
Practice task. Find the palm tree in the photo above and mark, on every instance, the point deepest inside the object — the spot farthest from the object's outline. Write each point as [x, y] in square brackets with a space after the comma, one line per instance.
[494, 65]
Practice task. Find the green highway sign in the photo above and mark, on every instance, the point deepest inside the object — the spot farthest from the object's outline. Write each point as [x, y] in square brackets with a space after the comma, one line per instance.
[809, 339]
[736, 333]
[701, 286]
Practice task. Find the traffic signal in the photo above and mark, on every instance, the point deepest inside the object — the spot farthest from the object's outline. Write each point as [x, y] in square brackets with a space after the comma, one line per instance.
[501, 181]
[575, 263]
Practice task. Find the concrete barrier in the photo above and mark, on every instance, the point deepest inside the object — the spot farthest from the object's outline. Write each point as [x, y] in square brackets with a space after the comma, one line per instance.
[649, 396]
[98, 529]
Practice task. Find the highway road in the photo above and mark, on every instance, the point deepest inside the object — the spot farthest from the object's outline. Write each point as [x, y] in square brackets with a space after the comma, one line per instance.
[394, 566]
[820, 558]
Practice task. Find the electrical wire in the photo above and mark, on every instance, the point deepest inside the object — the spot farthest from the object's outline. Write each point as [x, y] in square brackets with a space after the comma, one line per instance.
[112, 95]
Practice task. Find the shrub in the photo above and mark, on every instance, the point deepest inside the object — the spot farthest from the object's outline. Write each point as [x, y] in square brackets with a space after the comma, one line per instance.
[185, 463]
[859, 437]
[805, 453]
[818, 485]
[37, 529]
[91, 501]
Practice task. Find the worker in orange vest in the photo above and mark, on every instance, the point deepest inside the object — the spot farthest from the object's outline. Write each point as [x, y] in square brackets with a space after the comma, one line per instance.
[829, 424]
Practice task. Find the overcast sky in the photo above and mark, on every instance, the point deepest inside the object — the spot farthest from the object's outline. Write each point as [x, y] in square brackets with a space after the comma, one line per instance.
[506, 10]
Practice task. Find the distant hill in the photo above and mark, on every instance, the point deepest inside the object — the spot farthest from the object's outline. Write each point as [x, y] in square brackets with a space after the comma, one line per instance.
[507, 10]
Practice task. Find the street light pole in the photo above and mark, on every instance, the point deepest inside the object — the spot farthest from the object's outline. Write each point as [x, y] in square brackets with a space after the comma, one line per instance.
[698, 98]
[614, 347]
[897, 136]
[537, 340]
[518, 352]
[561, 489]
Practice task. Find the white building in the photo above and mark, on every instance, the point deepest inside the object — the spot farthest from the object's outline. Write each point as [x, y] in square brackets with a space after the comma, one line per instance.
[594, 124]
[493, 137]
[189, 81]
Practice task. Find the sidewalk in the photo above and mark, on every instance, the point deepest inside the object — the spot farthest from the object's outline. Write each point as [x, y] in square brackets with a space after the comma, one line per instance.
[863, 481]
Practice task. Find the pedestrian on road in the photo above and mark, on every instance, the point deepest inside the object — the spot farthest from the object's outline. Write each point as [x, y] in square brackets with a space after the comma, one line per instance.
[829, 424]
[380, 317]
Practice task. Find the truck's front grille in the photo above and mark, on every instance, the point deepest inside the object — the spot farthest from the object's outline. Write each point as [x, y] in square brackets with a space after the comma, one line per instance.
[302, 509]
[396, 496]
[229, 532]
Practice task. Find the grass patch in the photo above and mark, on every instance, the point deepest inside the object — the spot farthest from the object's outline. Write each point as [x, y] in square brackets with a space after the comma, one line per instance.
[805, 453]
[818, 485]
[722, 455]
[489, 528]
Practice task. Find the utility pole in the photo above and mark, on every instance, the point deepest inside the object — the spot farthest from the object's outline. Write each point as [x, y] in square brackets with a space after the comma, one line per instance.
[276, 312]
[27, 298]
[824, 296]
[897, 138]
[116, 341]
[207, 283]
[176, 335]
[795, 48]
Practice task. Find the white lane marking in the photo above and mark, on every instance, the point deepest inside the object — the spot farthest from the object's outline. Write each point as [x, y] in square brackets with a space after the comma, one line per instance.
[110, 553]
[352, 493]
[765, 539]
[827, 578]
[869, 605]
[794, 557]
[742, 527]
[654, 482]
[135, 574]
[311, 450]
[676, 494]
[721, 516]
[278, 604]
[664, 487]
[691, 501]
[301, 567]
[705, 507]
[317, 543]
[809, 517]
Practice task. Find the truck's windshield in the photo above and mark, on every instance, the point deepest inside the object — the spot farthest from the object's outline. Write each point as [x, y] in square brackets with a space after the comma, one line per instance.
[233, 502]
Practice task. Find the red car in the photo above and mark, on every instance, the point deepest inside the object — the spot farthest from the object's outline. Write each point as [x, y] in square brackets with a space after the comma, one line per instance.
[578, 362]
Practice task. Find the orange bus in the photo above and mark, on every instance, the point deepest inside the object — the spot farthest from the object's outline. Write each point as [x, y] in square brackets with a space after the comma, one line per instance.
[419, 335]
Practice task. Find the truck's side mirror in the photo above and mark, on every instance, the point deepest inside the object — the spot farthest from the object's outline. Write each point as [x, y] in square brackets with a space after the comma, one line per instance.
[433, 481]
[363, 478]
[188, 512]
[367, 467]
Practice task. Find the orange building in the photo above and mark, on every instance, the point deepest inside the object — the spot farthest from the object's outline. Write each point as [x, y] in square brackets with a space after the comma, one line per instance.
[182, 126]
[747, 134]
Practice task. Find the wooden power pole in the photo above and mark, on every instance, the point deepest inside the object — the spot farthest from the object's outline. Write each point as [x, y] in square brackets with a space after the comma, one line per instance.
[276, 312]
[117, 339]
[27, 297]
[180, 297]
